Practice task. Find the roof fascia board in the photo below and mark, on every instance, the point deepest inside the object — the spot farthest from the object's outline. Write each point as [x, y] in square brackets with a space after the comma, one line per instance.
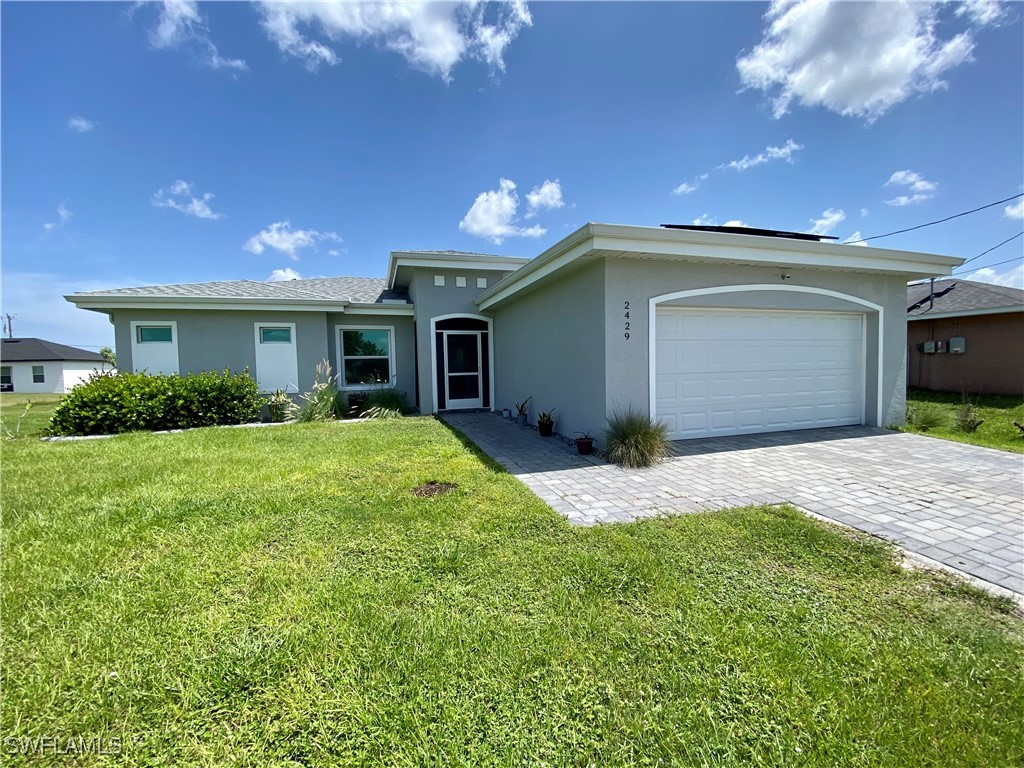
[967, 313]
[572, 243]
[112, 302]
[721, 247]
[400, 310]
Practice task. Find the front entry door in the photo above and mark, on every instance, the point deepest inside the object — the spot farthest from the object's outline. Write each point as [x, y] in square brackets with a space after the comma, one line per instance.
[463, 374]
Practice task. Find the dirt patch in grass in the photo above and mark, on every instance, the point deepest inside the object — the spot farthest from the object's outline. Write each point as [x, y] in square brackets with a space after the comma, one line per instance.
[433, 488]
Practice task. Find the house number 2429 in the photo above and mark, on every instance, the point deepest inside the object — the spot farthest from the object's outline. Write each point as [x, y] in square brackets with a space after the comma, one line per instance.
[626, 316]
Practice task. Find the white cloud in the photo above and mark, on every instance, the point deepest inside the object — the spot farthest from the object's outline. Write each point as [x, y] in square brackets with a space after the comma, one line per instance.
[333, 252]
[981, 12]
[685, 189]
[281, 237]
[858, 59]
[493, 215]
[704, 220]
[828, 221]
[81, 124]
[547, 196]
[431, 36]
[179, 197]
[1011, 277]
[854, 238]
[914, 182]
[785, 152]
[1015, 210]
[180, 25]
[864, 212]
[280, 275]
[63, 215]
[912, 179]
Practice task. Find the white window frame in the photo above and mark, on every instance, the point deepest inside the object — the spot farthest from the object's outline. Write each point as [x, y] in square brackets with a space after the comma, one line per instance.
[258, 326]
[481, 282]
[439, 281]
[460, 281]
[136, 344]
[340, 346]
[41, 374]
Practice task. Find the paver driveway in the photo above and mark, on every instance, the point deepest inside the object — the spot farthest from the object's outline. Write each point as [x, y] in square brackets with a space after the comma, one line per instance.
[956, 504]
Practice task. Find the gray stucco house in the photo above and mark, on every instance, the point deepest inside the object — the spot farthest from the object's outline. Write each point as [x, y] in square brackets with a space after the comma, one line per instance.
[714, 330]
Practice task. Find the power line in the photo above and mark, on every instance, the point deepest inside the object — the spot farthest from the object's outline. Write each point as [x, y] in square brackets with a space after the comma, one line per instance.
[997, 264]
[937, 221]
[1007, 240]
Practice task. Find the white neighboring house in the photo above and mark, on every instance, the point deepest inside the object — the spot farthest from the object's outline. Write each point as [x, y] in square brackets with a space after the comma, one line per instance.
[37, 366]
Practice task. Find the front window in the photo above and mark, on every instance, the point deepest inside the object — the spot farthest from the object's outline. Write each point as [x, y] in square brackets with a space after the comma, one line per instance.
[270, 335]
[154, 334]
[6, 380]
[38, 374]
[365, 356]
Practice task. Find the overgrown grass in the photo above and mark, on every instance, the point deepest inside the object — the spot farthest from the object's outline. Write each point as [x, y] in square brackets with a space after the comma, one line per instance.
[998, 411]
[278, 597]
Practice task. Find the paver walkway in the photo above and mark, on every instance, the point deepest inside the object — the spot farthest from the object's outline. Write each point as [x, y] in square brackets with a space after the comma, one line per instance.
[959, 505]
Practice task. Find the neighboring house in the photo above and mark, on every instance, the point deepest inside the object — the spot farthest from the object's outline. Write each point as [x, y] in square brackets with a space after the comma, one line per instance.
[714, 332]
[964, 336]
[37, 366]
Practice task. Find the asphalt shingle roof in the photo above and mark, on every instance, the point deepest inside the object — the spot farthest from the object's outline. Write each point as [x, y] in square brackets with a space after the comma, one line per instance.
[961, 296]
[30, 350]
[366, 290]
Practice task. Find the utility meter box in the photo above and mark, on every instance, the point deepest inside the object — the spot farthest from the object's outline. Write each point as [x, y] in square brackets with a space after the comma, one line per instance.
[940, 346]
[928, 347]
[957, 345]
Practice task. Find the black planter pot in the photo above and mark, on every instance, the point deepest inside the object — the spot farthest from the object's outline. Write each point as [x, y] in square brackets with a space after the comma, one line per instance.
[584, 445]
[545, 428]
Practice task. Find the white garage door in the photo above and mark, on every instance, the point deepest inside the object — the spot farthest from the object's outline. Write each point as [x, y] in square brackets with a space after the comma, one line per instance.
[731, 372]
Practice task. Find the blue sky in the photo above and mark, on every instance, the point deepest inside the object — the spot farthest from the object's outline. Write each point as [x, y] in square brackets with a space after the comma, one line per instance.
[183, 142]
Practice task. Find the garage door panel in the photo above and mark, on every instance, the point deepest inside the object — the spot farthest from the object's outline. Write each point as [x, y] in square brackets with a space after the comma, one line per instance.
[722, 372]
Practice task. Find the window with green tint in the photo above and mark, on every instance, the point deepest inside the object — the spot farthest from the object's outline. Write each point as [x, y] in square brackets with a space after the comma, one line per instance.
[154, 334]
[5, 376]
[275, 335]
[38, 374]
[365, 356]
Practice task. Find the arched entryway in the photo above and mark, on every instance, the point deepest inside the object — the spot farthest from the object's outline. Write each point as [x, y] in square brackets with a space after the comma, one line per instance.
[462, 362]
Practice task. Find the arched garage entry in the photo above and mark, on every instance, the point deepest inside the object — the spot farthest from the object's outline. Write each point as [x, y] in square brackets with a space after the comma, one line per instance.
[765, 361]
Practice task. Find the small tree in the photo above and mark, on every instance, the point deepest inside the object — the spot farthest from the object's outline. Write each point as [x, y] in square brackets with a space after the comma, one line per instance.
[109, 355]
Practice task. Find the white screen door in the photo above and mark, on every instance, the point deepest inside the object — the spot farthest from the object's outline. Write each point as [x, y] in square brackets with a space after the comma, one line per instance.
[463, 373]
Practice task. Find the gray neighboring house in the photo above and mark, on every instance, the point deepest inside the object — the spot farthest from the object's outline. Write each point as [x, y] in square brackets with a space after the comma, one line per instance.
[716, 331]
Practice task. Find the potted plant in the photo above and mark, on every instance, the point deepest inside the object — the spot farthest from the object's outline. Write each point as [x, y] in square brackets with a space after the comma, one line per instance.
[506, 413]
[521, 409]
[546, 423]
[584, 443]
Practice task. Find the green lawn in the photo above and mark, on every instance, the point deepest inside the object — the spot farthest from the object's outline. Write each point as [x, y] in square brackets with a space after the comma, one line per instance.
[277, 596]
[998, 411]
[34, 421]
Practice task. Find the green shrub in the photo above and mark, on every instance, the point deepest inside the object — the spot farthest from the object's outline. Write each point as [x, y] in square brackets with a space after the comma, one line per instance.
[109, 404]
[926, 416]
[633, 439]
[384, 403]
[324, 402]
